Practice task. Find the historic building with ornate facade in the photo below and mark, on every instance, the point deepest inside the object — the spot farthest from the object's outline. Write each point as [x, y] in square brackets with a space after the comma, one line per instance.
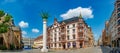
[12, 37]
[113, 26]
[69, 33]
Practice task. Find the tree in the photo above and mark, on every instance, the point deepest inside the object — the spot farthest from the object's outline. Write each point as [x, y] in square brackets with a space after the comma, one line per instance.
[4, 26]
[8, 18]
[2, 13]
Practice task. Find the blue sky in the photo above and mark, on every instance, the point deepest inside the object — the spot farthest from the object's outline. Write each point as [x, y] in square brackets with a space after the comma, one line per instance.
[26, 13]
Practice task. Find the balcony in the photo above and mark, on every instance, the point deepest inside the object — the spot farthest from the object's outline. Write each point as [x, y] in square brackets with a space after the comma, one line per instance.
[63, 30]
[80, 38]
[80, 33]
[62, 33]
[80, 27]
[63, 40]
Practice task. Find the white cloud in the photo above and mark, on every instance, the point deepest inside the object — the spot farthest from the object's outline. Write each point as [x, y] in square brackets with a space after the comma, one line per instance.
[23, 24]
[8, 1]
[35, 30]
[85, 12]
[24, 32]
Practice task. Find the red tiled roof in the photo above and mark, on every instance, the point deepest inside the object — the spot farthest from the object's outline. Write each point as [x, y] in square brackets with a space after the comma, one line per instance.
[39, 37]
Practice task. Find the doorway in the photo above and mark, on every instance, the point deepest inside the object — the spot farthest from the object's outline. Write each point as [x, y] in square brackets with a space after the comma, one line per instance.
[80, 45]
[64, 46]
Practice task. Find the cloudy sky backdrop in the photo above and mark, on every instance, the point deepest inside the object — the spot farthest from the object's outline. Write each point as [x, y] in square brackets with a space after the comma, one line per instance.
[26, 13]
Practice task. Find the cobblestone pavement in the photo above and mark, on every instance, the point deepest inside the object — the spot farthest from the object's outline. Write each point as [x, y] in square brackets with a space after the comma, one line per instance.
[82, 50]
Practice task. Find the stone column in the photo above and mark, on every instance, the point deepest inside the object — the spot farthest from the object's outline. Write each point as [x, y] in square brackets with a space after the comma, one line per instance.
[77, 44]
[66, 45]
[71, 45]
[83, 44]
[44, 49]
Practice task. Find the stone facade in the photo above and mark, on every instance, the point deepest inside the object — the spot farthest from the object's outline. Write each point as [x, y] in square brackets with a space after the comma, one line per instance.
[112, 27]
[38, 42]
[70, 33]
[12, 37]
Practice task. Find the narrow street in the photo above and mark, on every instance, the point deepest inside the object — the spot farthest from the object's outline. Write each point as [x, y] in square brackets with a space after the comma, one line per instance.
[83, 50]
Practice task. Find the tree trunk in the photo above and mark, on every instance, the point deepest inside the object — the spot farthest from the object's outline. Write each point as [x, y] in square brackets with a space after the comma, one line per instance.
[5, 38]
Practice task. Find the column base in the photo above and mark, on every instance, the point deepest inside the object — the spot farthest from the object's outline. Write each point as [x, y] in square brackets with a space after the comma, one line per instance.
[44, 50]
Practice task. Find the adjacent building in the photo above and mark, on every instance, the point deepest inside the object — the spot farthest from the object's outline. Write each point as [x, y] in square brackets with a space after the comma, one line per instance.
[38, 42]
[112, 28]
[70, 33]
[100, 43]
[28, 42]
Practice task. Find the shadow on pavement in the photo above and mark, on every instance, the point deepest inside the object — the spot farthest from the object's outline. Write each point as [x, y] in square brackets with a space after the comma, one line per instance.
[11, 50]
[105, 49]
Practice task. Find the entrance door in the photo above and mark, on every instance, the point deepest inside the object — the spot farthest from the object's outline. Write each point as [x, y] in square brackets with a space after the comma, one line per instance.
[63, 46]
[80, 45]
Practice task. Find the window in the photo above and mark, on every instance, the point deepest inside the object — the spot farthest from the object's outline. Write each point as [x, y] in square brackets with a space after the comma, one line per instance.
[73, 30]
[119, 29]
[59, 45]
[68, 27]
[55, 44]
[73, 36]
[118, 15]
[55, 39]
[73, 25]
[118, 22]
[51, 39]
[67, 31]
[118, 5]
[55, 34]
[59, 38]
[68, 37]
[55, 30]
[118, 9]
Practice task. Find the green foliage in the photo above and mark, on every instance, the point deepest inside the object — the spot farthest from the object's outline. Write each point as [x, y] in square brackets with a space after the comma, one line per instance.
[44, 15]
[8, 18]
[2, 13]
[12, 47]
[3, 47]
[3, 28]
